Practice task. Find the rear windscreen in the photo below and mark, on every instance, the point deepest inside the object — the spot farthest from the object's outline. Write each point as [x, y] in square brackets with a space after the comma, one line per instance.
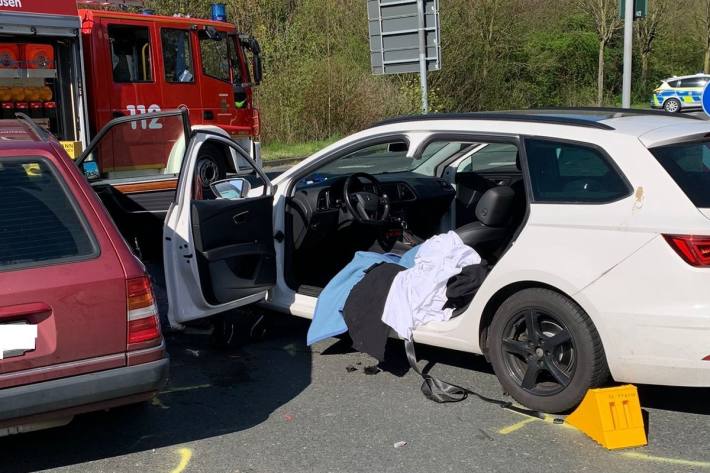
[39, 224]
[689, 165]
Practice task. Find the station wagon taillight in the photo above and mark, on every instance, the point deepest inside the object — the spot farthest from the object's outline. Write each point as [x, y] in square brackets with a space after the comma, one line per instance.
[695, 250]
[143, 323]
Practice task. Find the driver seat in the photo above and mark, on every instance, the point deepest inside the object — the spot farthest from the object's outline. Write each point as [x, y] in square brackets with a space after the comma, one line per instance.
[493, 228]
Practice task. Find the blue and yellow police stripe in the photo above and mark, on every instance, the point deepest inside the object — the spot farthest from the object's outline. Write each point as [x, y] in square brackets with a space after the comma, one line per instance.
[685, 96]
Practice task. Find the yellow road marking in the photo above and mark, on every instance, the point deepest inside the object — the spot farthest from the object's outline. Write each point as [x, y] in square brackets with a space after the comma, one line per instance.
[516, 426]
[670, 461]
[185, 456]
[185, 388]
[632, 455]
[519, 425]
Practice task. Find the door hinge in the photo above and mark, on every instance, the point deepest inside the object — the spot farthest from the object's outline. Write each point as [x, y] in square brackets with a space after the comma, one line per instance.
[279, 236]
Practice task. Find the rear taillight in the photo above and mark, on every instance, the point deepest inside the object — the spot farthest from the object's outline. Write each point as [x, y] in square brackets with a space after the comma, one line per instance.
[255, 122]
[695, 250]
[143, 323]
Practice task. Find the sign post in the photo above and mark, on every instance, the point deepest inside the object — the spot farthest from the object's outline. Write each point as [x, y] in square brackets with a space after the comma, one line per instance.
[629, 10]
[628, 52]
[422, 56]
[404, 37]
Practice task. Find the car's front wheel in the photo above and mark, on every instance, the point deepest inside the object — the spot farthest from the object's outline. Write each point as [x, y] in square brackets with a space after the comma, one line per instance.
[545, 350]
[672, 105]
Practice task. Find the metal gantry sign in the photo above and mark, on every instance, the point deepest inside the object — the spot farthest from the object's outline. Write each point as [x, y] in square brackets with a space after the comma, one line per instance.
[404, 37]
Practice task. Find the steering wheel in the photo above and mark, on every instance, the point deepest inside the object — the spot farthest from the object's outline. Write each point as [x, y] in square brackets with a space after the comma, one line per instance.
[365, 207]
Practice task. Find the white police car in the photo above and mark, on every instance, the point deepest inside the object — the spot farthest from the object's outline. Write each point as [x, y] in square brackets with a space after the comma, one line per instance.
[680, 93]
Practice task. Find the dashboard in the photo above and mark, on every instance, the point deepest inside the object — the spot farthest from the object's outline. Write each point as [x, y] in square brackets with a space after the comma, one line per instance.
[420, 200]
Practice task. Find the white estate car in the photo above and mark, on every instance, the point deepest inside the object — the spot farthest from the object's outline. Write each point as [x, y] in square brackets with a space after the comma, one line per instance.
[596, 224]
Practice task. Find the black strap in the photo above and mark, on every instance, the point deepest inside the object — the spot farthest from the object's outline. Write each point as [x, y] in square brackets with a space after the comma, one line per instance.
[441, 391]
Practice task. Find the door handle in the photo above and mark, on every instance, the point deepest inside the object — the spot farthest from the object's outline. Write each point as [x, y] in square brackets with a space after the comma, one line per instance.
[241, 217]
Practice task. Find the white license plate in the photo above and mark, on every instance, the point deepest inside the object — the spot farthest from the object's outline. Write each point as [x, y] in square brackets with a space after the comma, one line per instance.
[17, 338]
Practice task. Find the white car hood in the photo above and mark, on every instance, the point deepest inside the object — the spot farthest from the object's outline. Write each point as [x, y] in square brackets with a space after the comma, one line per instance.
[705, 212]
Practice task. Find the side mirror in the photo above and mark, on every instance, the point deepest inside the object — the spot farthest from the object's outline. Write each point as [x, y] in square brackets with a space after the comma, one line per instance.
[250, 43]
[232, 189]
[256, 66]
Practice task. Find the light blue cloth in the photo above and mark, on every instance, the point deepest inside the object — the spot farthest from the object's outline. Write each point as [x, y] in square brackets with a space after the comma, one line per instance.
[328, 317]
[407, 259]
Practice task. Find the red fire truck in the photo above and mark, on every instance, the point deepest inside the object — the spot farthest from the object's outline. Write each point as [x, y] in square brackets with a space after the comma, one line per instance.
[73, 70]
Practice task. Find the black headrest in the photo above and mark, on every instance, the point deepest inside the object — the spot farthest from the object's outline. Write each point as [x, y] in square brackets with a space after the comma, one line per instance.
[495, 206]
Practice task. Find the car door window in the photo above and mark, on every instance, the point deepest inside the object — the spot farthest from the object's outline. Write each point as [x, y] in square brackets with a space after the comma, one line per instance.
[130, 53]
[39, 222]
[215, 56]
[493, 157]
[438, 153]
[153, 145]
[566, 172]
[177, 55]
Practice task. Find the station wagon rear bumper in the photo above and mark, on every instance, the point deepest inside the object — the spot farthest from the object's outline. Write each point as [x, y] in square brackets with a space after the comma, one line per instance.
[92, 388]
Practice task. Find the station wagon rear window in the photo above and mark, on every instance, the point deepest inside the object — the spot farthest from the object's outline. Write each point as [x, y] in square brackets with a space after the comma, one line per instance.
[689, 166]
[39, 224]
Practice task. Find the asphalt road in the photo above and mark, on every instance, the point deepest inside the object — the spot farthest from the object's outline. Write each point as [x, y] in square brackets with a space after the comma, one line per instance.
[274, 405]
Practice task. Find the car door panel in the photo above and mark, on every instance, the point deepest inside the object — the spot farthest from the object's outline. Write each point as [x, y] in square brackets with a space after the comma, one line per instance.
[233, 242]
[218, 253]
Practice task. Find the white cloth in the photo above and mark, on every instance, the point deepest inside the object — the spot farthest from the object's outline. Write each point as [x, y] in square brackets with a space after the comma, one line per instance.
[418, 294]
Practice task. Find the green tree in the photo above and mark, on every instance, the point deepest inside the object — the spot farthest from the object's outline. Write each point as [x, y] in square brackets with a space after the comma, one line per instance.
[605, 16]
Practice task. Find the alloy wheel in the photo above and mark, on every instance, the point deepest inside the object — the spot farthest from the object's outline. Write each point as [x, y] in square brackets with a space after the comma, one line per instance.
[672, 106]
[539, 352]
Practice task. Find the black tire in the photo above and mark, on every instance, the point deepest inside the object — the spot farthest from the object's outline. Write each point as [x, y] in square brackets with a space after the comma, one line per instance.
[672, 106]
[552, 369]
[211, 165]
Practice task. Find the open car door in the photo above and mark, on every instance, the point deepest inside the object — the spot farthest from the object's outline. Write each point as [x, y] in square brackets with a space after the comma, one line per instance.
[218, 247]
[133, 165]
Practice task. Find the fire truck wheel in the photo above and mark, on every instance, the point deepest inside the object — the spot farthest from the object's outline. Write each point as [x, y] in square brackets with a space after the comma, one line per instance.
[211, 165]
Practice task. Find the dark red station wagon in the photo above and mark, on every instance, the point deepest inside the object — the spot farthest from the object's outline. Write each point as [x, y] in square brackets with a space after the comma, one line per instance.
[66, 269]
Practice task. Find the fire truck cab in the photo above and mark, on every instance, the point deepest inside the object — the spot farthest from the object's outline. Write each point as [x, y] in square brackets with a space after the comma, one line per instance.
[147, 63]
[73, 70]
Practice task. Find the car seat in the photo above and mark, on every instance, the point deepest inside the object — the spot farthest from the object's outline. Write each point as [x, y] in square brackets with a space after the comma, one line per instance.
[493, 228]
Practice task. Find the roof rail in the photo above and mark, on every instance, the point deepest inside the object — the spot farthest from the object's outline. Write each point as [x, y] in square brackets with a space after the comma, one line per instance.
[39, 131]
[499, 116]
[618, 110]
